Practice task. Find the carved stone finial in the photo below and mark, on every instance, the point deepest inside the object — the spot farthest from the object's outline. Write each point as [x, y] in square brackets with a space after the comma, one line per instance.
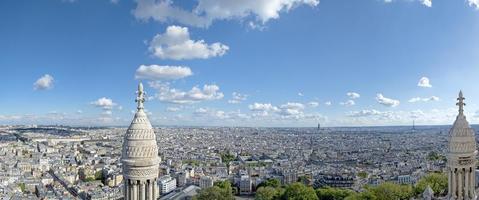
[140, 99]
[461, 103]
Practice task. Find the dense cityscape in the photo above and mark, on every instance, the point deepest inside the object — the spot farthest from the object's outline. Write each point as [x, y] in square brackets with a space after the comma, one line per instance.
[48, 162]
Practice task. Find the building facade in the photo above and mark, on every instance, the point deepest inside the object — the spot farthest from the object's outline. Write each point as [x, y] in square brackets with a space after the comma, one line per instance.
[461, 157]
[167, 184]
[140, 156]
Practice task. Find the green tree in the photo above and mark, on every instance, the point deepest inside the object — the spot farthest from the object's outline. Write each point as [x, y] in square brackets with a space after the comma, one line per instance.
[329, 193]
[266, 193]
[226, 188]
[22, 187]
[99, 175]
[271, 183]
[437, 182]
[363, 174]
[387, 191]
[298, 191]
[211, 193]
[365, 195]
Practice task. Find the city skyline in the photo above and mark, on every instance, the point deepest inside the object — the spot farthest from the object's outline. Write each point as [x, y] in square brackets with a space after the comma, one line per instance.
[262, 63]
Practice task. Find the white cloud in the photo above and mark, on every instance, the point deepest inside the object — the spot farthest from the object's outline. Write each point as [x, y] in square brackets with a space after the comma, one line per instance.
[176, 44]
[348, 103]
[173, 109]
[195, 95]
[427, 3]
[262, 107]
[207, 11]
[363, 113]
[313, 104]
[300, 94]
[424, 82]
[328, 103]
[386, 101]
[157, 72]
[474, 3]
[105, 103]
[418, 99]
[237, 98]
[291, 108]
[44, 83]
[201, 111]
[353, 95]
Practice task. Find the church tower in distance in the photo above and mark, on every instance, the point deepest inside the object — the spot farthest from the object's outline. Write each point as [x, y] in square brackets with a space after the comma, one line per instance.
[461, 158]
[140, 156]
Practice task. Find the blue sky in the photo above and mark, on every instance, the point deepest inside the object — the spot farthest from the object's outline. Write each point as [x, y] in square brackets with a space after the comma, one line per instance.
[288, 63]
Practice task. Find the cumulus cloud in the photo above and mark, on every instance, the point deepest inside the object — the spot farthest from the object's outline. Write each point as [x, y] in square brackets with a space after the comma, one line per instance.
[427, 3]
[291, 108]
[105, 103]
[363, 113]
[474, 3]
[201, 111]
[313, 104]
[328, 103]
[157, 72]
[284, 112]
[195, 95]
[173, 109]
[237, 98]
[206, 12]
[348, 103]
[353, 95]
[424, 82]
[386, 101]
[300, 94]
[419, 99]
[44, 83]
[262, 107]
[176, 44]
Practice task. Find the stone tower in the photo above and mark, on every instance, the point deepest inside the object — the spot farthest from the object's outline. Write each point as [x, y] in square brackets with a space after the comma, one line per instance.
[140, 156]
[461, 157]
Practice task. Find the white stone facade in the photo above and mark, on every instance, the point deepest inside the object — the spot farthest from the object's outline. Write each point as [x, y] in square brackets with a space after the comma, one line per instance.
[461, 158]
[140, 156]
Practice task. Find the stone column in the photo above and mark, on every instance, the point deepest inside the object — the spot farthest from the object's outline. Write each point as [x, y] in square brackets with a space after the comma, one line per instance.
[449, 182]
[155, 189]
[453, 183]
[460, 183]
[135, 191]
[472, 179]
[466, 183]
[150, 190]
[126, 188]
[142, 190]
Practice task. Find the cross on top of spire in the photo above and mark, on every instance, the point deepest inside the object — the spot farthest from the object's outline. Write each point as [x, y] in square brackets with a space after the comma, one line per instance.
[140, 99]
[461, 103]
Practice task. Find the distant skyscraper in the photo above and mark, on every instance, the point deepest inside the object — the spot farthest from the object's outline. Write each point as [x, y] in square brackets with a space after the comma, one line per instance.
[140, 156]
[461, 158]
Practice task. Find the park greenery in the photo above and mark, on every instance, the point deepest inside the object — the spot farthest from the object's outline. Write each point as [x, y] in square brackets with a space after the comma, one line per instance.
[433, 156]
[272, 189]
[221, 190]
[22, 187]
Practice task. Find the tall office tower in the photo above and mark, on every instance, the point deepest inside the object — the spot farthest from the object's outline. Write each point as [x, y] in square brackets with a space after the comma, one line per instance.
[140, 156]
[461, 157]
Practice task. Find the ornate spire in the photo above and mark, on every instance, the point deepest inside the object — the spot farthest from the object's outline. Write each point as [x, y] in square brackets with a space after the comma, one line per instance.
[461, 103]
[140, 99]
